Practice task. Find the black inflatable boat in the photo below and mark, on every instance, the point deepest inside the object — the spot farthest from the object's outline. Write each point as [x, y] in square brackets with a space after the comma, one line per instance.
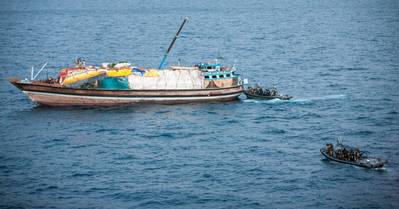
[258, 92]
[350, 155]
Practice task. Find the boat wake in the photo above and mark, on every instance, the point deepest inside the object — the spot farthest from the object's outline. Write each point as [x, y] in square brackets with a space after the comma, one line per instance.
[277, 101]
[296, 101]
[329, 97]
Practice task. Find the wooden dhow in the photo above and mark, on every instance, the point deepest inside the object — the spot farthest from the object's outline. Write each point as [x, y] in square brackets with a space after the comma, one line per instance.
[212, 85]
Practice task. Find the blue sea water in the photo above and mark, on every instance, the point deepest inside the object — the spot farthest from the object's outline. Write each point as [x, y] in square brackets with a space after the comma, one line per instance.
[339, 59]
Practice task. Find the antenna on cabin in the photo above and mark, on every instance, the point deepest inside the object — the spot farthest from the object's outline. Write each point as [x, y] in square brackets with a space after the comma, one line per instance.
[33, 77]
[234, 65]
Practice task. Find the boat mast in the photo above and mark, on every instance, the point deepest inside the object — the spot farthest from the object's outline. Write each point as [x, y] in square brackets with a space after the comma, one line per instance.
[172, 43]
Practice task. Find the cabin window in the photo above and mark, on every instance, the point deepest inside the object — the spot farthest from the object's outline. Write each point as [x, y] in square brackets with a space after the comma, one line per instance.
[209, 67]
[221, 76]
[214, 76]
[228, 75]
[207, 76]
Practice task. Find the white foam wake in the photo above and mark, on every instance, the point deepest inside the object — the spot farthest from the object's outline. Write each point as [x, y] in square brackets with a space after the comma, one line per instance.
[294, 100]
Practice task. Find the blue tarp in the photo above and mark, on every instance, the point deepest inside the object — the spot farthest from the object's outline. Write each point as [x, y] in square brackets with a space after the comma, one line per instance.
[137, 71]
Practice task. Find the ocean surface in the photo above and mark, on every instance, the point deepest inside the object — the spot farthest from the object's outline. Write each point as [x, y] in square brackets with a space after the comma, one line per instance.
[339, 59]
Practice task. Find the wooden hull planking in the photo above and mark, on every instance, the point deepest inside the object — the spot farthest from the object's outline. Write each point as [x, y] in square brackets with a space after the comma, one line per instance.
[56, 99]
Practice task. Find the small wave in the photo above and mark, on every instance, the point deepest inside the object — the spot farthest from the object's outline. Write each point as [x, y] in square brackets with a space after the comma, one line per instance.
[207, 176]
[81, 146]
[81, 175]
[126, 157]
[349, 69]
[362, 133]
[46, 188]
[162, 112]
[325, 74]
[273, 131]
[232, 121]
[161, 135]
[151, 204]
[105, 130]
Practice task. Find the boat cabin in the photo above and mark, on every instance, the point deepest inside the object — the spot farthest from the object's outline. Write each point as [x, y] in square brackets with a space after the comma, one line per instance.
[215, 71]
[220, 75]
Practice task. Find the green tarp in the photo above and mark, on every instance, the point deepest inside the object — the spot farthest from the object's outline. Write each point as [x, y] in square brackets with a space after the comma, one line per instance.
[116, 83]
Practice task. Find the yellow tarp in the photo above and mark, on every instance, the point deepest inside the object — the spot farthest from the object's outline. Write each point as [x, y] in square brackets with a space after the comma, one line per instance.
[151, 73]
[82, 75]
[119, 72]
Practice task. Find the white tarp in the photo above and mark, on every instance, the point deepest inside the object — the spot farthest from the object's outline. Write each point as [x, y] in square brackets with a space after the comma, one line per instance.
[169, 79]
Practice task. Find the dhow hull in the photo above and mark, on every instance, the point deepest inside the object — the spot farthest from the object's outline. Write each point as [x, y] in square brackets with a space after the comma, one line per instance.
[56, 95]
